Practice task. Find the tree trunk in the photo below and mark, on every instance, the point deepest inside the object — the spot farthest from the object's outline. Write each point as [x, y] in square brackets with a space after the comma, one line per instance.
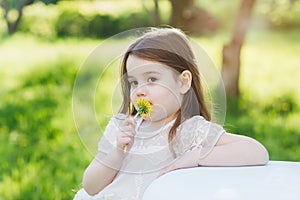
[231, 52]
[178, 7]
[12, 26]
[156, 16]
[191, 18]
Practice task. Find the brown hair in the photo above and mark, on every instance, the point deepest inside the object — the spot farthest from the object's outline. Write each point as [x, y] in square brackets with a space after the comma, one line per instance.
[171, 47]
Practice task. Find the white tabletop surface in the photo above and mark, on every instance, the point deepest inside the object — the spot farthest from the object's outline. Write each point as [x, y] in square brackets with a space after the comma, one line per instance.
[278, 180]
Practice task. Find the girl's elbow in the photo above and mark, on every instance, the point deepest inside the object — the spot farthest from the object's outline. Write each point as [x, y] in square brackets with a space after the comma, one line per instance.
[90, 191]
[88, 185]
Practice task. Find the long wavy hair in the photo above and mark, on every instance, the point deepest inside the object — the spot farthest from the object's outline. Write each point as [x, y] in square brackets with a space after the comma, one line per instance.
[171, 47]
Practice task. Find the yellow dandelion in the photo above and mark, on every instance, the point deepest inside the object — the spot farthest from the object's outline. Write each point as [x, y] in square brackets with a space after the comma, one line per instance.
[144, 108]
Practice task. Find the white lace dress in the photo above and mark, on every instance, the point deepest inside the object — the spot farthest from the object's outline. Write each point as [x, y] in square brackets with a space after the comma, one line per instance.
[150, 153]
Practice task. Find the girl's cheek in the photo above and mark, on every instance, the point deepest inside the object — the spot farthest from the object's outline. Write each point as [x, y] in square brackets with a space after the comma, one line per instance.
[132, 96]
[159, 111]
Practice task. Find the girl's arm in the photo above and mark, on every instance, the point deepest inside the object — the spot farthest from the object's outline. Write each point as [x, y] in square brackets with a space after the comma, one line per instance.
[236, 150]
[105, 167]
[102, 171]
[230, 150]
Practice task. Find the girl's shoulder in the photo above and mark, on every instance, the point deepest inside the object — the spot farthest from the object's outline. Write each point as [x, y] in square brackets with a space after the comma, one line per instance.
[195, 132]
[197, 121]
[192, 122]
[198, 125]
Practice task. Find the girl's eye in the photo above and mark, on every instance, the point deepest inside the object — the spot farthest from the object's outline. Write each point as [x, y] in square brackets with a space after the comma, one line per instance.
[152, 79]
[133, 83]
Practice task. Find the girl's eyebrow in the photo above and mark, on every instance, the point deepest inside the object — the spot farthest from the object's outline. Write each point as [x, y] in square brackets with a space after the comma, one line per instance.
[147, 74]
[151, 72]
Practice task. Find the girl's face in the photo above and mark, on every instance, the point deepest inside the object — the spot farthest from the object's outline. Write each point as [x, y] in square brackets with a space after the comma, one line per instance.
[156, 83]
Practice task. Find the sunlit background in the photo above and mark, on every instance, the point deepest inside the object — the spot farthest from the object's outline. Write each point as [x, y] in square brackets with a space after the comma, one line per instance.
[44, 43]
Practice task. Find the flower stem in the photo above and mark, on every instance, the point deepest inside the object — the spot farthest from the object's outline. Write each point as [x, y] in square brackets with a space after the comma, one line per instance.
[135, 116]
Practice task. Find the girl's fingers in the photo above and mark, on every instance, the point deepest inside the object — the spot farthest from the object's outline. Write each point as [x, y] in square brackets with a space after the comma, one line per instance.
[128, 125]
[129, 122]
[127, 130]
[126, 133]
[125, 141]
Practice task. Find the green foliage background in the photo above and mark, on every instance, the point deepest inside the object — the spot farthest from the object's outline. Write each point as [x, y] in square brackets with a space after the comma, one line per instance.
[99, 19]
[42, 156]
[41, 152]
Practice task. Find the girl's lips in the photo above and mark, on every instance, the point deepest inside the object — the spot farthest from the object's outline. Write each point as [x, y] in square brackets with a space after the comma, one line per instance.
[149, 102]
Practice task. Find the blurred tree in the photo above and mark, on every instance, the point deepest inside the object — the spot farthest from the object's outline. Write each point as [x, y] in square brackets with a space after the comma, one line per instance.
[154, 14]
[280, 14]
[13, 12]
[231, 52]
[191, 18]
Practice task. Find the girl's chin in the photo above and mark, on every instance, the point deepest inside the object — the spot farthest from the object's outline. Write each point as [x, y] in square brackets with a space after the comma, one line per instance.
[157, 119]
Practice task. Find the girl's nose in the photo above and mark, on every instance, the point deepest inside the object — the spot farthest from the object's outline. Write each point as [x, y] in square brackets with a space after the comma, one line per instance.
[141, 94]
[141, 91]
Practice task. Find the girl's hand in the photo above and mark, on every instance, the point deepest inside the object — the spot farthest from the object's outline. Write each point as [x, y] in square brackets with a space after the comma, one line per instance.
[126, 134]
[187, 160]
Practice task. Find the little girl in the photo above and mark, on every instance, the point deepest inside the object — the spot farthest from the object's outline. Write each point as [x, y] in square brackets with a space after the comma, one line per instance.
[160, 68]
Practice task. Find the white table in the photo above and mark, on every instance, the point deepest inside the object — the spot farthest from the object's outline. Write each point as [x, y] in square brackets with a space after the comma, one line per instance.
[278, 180]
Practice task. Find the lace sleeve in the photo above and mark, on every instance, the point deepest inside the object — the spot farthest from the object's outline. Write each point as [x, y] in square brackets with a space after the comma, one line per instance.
[196, 132]
[108, 140]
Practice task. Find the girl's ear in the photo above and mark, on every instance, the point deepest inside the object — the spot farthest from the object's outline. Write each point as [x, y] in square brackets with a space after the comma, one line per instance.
[185, 79]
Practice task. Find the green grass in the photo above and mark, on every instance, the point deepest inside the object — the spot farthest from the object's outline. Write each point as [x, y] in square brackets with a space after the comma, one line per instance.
[42, 155]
